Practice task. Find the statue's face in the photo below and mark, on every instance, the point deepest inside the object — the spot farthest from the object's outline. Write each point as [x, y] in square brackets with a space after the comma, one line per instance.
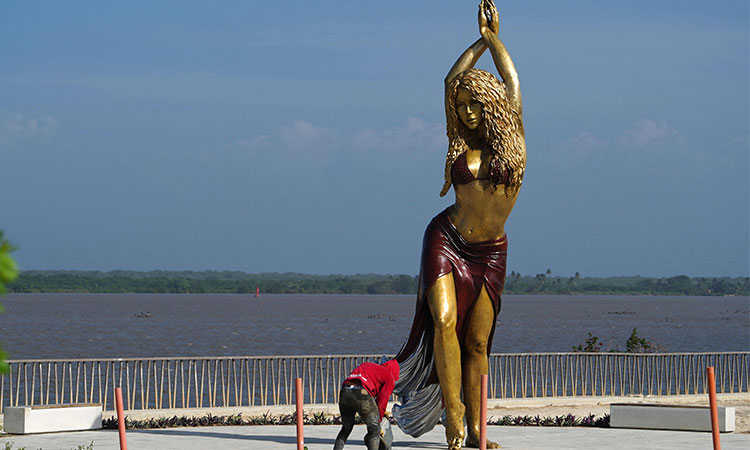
[469, 109]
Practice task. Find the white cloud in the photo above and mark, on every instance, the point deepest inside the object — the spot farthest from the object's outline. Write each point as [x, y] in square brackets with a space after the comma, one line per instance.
[737, 141]
[414, 136]
[733, 151]
[584, 143]
[304, 137]
[298, 138]
[248, 144]
[646, 132]
[16, 125]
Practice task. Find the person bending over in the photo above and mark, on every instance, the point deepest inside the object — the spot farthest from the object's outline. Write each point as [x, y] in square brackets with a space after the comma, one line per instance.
[366, 391]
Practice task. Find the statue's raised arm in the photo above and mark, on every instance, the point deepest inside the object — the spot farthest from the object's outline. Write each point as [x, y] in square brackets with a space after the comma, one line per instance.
[488, 27]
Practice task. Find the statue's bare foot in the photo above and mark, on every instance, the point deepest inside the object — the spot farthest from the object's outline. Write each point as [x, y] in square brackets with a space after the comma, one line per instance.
[454, 444]
[454, 427]
[473, 442]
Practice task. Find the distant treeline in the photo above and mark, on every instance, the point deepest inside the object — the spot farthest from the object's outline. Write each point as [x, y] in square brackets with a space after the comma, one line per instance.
[297, 283]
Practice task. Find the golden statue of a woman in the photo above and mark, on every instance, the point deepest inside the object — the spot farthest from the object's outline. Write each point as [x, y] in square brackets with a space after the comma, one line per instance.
[464, 250]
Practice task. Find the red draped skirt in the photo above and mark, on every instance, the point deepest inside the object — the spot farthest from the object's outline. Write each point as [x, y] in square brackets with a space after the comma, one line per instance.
[473, 265]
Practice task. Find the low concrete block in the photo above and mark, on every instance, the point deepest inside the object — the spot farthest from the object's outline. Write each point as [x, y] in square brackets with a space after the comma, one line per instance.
[668, 417]
[47, 419]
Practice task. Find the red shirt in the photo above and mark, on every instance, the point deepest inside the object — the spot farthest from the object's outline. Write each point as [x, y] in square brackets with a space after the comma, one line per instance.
[378, 379]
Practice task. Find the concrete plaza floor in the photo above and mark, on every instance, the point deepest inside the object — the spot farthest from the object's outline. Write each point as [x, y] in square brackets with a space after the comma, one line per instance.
[270, 437]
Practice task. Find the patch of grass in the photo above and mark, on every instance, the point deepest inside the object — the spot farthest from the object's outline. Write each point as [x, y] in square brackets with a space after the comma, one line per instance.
[208, 420]
[568, 420]
[321, 418]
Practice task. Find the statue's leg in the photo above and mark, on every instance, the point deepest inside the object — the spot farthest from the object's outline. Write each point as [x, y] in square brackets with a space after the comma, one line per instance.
[442, 302]
[475, 364]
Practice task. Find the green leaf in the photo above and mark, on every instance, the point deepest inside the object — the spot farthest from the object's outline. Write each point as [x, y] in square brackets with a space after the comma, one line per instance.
[4, 367]
[8, 268]
[8, 273]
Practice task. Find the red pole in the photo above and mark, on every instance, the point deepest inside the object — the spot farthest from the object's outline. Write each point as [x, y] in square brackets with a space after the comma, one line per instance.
[712, 404]
[120, 419]
[300, 428]
[483, 414]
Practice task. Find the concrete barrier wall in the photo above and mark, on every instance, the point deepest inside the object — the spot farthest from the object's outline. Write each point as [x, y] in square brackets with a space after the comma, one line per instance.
[669, 417]
[47, 419]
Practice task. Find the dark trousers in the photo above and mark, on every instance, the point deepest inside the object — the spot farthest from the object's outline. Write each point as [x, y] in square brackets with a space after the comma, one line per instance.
[358, 400]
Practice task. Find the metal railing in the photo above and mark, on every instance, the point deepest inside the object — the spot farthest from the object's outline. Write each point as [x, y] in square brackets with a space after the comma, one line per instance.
[208, 382]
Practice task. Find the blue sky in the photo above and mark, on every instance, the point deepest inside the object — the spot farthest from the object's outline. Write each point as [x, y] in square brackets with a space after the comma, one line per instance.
[310, 136]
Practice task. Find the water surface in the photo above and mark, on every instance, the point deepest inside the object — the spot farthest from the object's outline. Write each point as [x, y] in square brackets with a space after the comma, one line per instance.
[139, 325]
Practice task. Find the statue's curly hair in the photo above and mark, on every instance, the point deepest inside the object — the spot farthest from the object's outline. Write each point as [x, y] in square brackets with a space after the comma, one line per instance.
[500, 130]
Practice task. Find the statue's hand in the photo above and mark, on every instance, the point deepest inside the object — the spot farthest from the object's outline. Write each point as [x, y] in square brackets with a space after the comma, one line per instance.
[489, 19]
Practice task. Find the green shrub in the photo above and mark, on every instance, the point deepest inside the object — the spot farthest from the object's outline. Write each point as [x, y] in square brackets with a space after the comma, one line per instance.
[8, 273]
